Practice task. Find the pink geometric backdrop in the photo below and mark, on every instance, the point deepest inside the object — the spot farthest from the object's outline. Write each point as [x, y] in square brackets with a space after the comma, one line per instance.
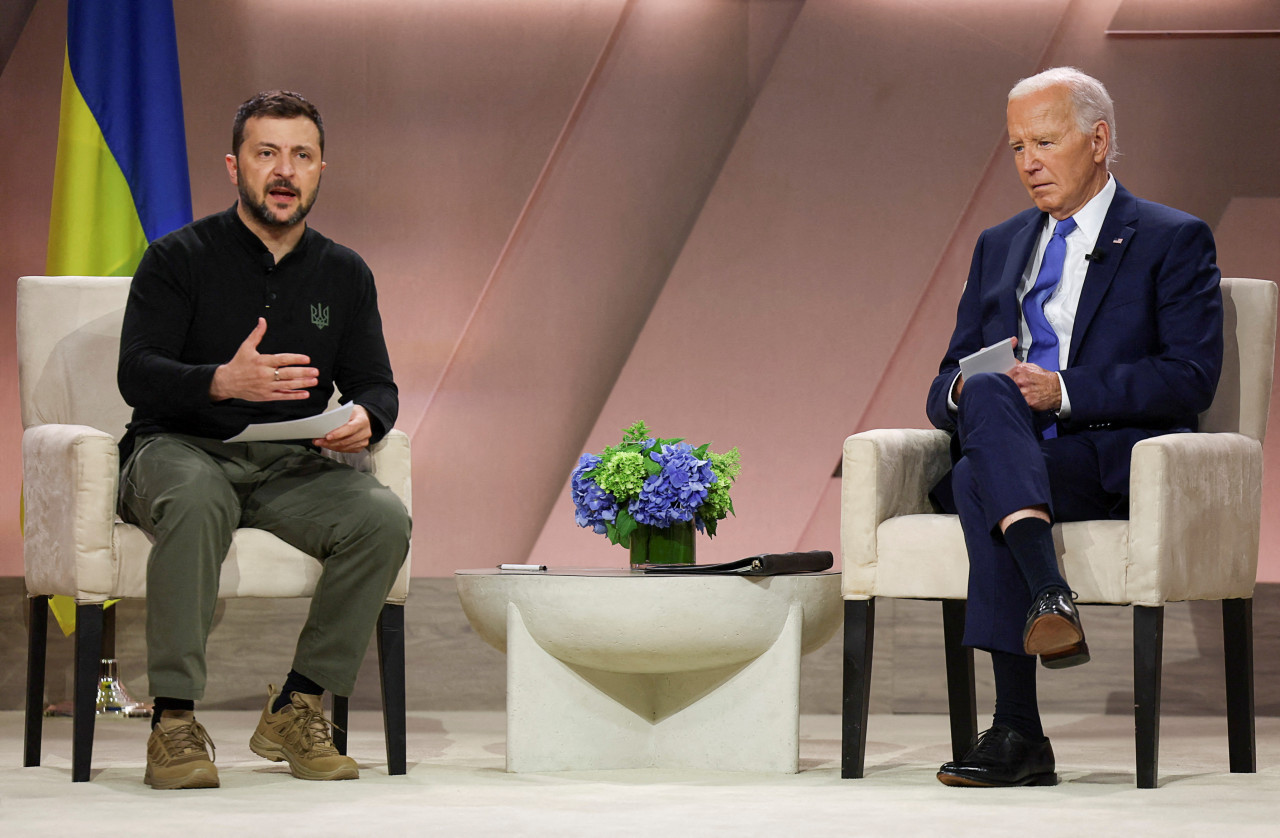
[744, 221]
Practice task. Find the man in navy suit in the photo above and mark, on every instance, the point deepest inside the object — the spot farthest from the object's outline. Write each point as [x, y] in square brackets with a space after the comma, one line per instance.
[1115, 307]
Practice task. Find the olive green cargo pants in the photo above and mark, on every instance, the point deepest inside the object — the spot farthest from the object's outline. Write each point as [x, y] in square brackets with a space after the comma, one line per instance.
[190, 493]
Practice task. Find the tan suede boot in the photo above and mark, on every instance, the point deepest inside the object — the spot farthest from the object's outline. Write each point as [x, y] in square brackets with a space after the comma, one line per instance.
[177, 757]
[301, 734]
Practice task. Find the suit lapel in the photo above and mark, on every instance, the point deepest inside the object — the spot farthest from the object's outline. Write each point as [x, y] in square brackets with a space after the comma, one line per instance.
[1015, 265]
[1113, 240]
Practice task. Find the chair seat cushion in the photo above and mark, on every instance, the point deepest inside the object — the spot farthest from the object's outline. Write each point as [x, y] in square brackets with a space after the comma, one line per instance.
[923, 556]
[277, 569]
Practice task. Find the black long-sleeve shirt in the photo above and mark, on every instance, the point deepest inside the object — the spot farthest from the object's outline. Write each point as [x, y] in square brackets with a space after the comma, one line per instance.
[198, 293]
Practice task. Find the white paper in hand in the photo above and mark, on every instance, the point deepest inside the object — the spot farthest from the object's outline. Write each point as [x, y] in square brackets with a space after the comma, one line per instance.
[998, 357]
[313, 427]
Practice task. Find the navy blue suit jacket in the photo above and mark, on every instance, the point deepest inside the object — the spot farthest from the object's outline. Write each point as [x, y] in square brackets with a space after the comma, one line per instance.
[1146, 348]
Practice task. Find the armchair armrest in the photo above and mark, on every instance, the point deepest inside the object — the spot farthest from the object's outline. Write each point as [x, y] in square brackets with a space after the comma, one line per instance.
[1195, 509]
[69, 479]
[390, 461]
[886, 473]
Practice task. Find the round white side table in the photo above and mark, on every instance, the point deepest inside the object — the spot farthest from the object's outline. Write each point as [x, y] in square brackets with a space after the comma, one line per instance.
[619, 669]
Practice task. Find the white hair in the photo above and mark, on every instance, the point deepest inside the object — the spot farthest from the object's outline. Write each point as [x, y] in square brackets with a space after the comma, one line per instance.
[1089, 99]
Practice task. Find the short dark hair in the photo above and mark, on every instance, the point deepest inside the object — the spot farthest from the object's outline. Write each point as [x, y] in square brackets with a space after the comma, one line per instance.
[277, 104]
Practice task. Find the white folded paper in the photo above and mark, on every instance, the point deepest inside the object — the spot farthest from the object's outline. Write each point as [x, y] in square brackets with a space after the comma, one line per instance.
[313, 427]
[998, 357]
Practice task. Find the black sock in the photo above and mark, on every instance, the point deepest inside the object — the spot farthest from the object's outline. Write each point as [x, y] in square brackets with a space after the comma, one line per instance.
[295, 683]
[163, 703]
[1016, 704]
[1030, 541]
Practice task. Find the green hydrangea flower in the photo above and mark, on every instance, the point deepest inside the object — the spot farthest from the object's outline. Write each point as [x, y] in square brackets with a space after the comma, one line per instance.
[725, 467]
[621, 475]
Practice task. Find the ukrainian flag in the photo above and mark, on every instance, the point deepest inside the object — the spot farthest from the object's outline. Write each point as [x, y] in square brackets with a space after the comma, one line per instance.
[121, 176]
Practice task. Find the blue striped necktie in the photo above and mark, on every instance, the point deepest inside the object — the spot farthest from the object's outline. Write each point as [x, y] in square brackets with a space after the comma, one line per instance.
[1044, 340]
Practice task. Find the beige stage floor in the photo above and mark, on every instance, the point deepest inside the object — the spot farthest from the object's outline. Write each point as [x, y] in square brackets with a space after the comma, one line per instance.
[456, 786]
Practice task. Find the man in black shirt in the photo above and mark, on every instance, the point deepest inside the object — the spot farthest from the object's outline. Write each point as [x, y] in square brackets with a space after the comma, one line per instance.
[249, 316]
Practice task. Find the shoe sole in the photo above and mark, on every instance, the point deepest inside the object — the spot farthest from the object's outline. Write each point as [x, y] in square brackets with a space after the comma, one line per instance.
[267, 749]
[1051, 635]
[201, 778]
[959, 780]
[1073, 656]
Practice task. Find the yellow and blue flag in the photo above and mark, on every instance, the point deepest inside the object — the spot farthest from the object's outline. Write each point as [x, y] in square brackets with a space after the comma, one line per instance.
[121, 178]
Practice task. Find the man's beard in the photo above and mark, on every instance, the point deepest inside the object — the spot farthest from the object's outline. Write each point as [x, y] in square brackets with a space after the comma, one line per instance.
[263, 214]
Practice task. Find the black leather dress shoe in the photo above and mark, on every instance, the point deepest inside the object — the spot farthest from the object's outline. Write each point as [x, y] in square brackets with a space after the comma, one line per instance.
[1053, 630]
[1002, 757]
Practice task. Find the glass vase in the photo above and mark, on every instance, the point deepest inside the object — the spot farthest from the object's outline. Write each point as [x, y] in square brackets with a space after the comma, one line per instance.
[663, 545]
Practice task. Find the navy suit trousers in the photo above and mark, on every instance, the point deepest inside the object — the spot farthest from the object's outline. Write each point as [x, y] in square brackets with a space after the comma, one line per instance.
[1005, 466]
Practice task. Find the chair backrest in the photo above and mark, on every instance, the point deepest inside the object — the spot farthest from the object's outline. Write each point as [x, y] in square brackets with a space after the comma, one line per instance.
[1249, 340]
[68, 346]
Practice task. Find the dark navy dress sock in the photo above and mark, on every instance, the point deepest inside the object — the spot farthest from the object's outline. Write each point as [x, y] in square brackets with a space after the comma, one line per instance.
[1030, 541]
[1016, 703]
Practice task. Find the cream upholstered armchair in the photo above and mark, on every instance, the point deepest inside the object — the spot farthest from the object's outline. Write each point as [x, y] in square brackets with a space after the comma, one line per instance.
[1195, 508]
[68, 342]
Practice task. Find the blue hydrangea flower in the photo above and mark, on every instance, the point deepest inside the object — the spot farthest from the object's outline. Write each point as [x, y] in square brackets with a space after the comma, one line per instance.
[675, 493]
[593, 506]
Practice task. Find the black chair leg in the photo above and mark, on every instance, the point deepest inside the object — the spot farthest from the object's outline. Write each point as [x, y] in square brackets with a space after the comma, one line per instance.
[341, 706]
[859, 637]
[88, 668]
[1237, 638]
[392, 678]
[109, 633]
[962, 699]
[37, 645]
[1148, 654]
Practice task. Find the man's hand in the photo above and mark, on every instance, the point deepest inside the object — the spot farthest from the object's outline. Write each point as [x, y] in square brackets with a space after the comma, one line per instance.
[262, 378]
[1040, 387]
[351, 437]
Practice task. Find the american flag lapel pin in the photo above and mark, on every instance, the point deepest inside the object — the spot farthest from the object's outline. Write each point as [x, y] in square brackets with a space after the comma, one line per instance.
[1118, 241]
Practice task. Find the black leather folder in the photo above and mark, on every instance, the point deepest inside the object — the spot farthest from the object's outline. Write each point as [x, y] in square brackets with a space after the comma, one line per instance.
[765, 564]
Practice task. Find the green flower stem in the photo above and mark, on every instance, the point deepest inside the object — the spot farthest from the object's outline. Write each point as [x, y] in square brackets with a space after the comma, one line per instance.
[664, 545]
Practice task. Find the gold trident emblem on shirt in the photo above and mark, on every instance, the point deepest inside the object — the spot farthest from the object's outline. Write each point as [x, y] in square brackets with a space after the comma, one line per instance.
[320, 316]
